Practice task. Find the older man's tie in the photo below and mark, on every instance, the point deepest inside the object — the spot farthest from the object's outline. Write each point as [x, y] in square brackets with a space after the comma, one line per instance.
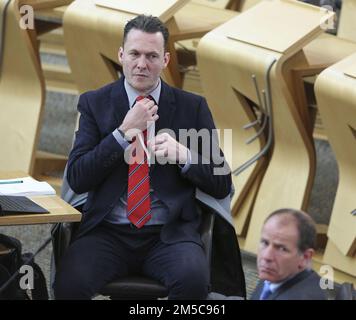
[266, 291]
[138, 190]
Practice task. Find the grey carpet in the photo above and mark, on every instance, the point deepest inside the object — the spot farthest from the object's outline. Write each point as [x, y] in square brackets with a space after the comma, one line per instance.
[59, 123]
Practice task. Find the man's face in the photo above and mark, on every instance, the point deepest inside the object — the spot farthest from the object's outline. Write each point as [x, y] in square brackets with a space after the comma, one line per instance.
[143, 58]
[278, 255]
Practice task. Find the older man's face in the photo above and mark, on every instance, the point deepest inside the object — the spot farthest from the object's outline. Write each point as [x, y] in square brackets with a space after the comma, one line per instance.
[278, 255]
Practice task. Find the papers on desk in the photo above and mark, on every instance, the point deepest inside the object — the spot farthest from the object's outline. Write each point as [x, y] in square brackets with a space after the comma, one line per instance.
[26, 186]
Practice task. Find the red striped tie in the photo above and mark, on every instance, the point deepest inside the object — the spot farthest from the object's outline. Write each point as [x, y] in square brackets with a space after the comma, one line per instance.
[138, 190]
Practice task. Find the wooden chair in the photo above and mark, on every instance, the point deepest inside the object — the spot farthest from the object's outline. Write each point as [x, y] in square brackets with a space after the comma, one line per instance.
[22, 93]
[230, 58]
[322, 52]
[186, 49]
[336, 99]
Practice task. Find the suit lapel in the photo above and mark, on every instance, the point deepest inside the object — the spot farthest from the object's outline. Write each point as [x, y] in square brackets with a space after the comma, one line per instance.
[119, 101]
[166, 111]
[166, 108]
[289, 283]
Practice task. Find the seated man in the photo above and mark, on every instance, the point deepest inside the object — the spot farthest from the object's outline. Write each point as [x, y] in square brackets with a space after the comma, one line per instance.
[140, 215]
[284, 258]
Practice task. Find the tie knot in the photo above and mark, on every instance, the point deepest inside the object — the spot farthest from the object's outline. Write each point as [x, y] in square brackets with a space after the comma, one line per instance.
[142, 97]
[266, 291]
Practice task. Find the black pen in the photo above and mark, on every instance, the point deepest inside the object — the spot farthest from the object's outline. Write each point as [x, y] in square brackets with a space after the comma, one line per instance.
[11, 182]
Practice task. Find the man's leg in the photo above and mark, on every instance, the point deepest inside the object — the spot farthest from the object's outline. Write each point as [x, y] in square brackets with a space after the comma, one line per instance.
[89, 263]
[182, 267]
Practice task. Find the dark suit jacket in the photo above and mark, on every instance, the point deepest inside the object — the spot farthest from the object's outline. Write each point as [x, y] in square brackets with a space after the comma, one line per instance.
[96, 163]
[304, 286]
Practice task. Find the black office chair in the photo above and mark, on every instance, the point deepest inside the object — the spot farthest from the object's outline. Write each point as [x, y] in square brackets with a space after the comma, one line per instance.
[134, 287]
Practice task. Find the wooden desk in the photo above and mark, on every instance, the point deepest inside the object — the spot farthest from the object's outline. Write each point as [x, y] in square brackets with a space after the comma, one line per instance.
[59, 210]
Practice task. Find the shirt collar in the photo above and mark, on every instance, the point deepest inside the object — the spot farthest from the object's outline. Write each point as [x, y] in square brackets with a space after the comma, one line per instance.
[132, 94]
[274, 286]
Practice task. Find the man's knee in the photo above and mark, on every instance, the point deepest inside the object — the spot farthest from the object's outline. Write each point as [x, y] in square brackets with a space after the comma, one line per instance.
[191, 283]
[71, 286]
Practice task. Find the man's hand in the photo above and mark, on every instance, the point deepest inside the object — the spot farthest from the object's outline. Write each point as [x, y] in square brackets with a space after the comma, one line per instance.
[138, 117]
[164, 146]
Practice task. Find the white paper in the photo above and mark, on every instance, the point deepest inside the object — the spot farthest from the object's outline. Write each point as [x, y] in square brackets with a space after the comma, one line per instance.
[26, 186]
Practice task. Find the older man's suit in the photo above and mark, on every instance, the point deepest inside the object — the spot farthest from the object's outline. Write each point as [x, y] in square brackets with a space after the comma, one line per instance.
[96, 164]
[304, 286]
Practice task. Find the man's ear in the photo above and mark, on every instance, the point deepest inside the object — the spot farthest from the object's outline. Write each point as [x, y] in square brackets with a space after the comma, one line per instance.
[306, 259]
[120, 53]
[166, 58]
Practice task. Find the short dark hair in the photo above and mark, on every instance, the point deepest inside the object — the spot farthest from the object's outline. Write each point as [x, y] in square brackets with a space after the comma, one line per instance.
[147, 24]
[305, 225]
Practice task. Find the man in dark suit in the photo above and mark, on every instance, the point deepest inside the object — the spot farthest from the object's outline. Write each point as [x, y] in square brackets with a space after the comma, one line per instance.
[114, 238]
[284, 258]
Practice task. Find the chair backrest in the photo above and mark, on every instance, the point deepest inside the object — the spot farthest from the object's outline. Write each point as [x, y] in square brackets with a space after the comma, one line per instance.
[22, 91]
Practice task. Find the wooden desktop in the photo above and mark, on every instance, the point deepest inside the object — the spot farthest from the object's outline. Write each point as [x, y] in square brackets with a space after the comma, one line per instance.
[59, 210]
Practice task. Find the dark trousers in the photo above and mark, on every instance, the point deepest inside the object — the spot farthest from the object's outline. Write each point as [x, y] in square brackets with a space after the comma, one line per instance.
[112, 251]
